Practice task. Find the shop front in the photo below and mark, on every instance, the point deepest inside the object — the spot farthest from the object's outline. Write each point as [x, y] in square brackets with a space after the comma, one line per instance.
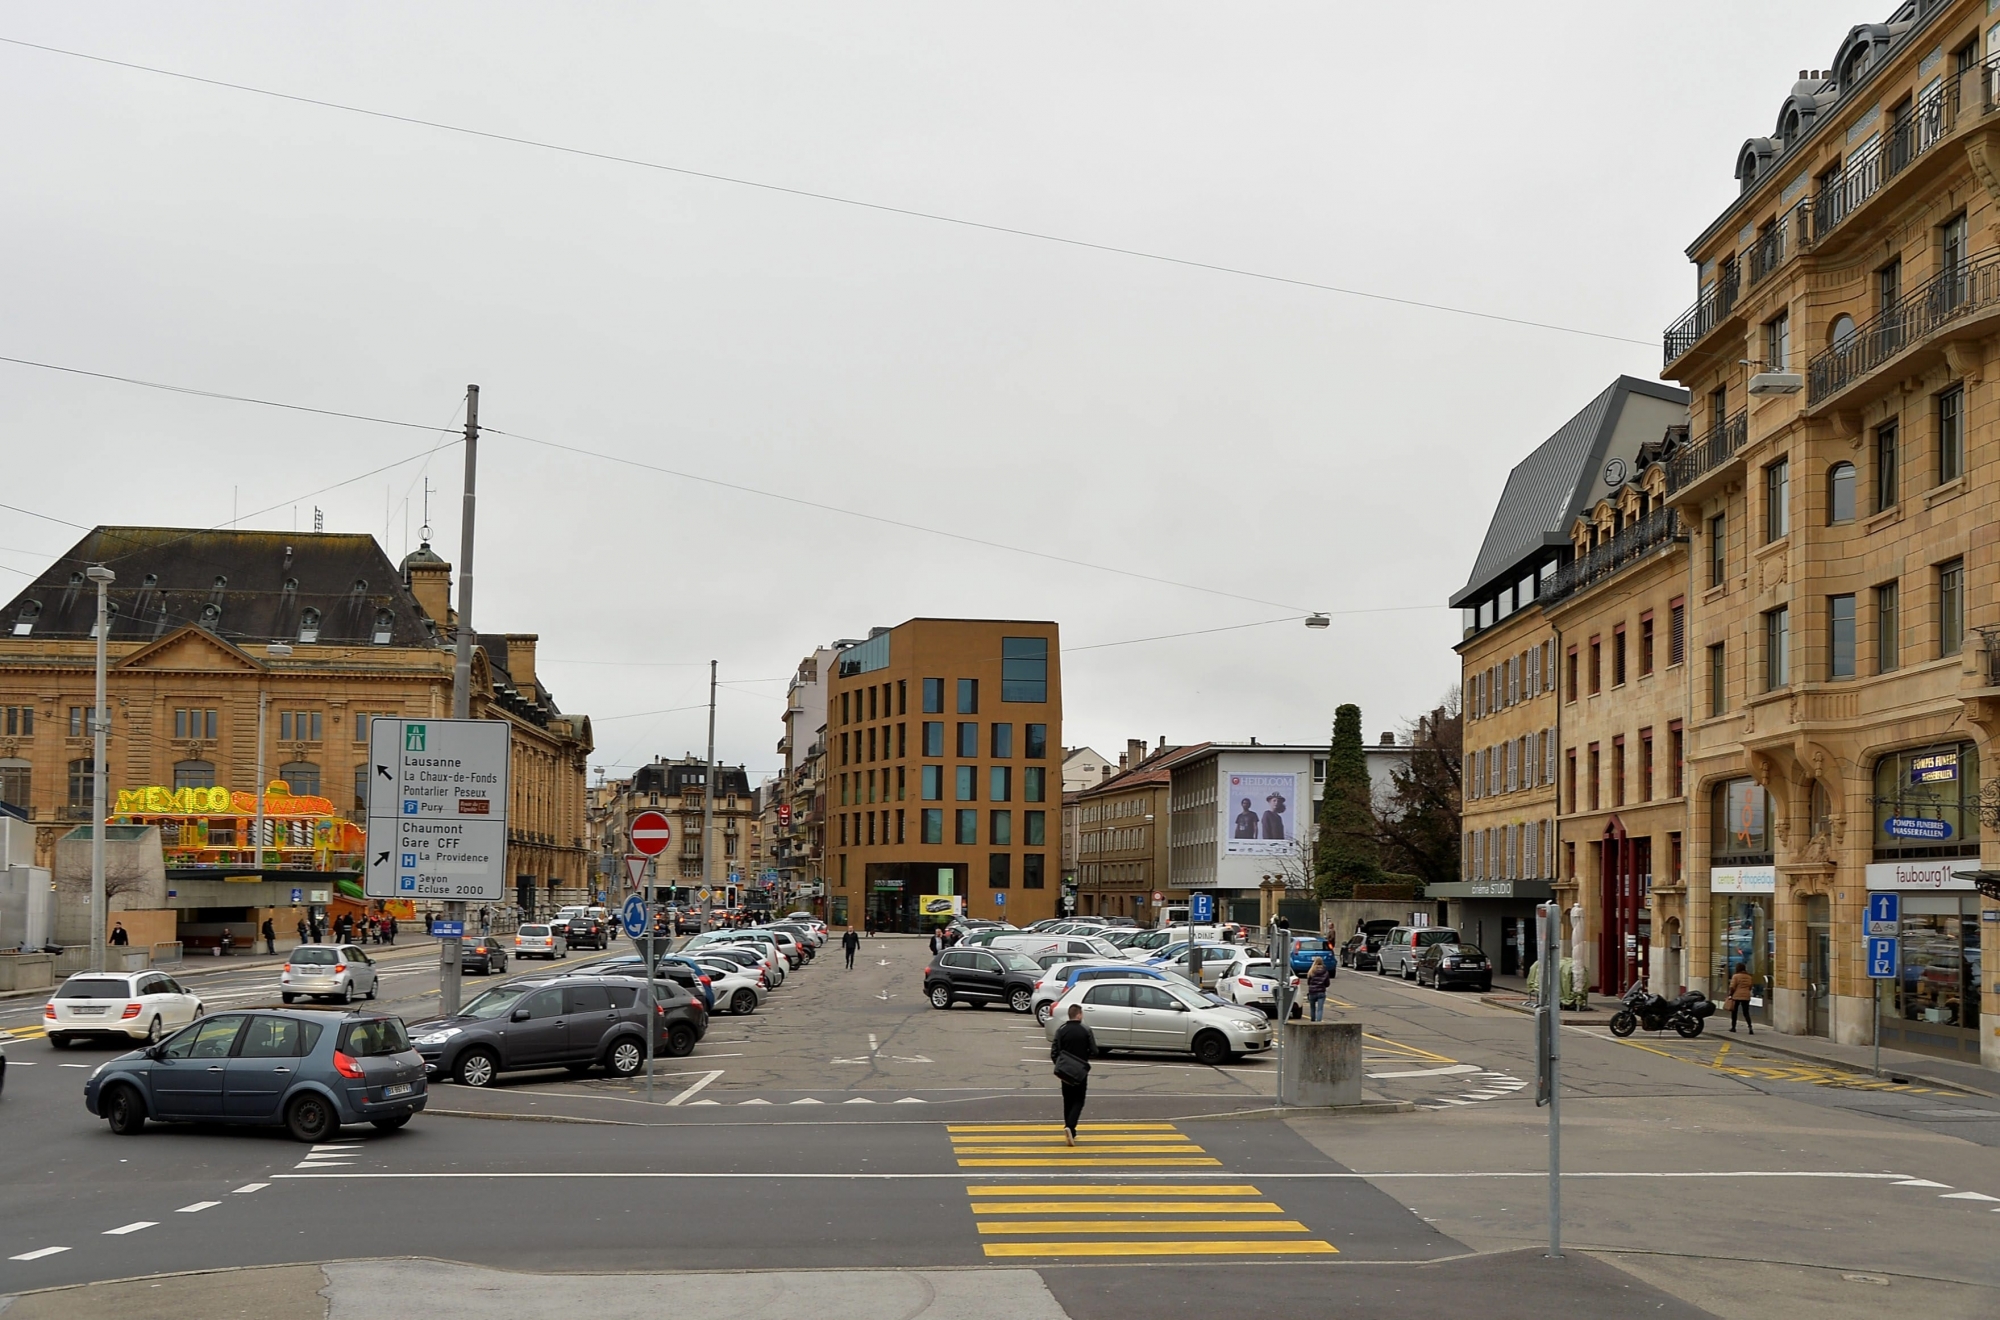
[904, 896]
[1742, 888]
[1496, 915]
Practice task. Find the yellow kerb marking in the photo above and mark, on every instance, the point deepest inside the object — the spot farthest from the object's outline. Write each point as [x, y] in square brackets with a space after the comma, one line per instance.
[1113, 1189]
[1127, 1207]
[1305, 1247]
[1130, 1162]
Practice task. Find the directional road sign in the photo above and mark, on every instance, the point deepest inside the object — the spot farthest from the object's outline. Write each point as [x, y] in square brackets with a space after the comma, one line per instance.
[437, 809]
[999, 900]
[1881, 953]
[1201, 908]
[635, 868]
[634, 916]
[1885, 914]
[447, 930]
[651, 833]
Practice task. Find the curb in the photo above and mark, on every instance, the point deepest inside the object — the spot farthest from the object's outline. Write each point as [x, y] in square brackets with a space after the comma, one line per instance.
[1807, 1056]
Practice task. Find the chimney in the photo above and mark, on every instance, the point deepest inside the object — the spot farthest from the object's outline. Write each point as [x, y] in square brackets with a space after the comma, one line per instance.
[429, 579]
[521, 664]
[1135, 752]
[1122, 766]
[1388, 740]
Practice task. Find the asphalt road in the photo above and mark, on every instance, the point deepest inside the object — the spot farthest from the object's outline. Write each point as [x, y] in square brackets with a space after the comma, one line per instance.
[849, 1126]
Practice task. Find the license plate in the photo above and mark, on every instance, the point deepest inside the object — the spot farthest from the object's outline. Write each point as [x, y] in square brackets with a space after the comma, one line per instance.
[391, 1092]
[88, 1010]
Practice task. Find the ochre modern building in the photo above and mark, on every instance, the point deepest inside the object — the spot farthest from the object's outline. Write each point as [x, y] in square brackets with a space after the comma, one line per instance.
[943, 758]
[1843, 488]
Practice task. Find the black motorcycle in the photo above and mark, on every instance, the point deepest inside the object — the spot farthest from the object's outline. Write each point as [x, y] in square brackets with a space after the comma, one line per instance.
[1686, 1015]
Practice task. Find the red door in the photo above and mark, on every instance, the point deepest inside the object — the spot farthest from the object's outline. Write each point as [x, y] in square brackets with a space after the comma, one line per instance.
[1621, 951]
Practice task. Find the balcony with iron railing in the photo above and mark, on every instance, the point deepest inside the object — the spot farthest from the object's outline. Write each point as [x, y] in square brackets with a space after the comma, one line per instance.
[1709, 312]
[1961, 297]
[1659, 528]
[1705, 453]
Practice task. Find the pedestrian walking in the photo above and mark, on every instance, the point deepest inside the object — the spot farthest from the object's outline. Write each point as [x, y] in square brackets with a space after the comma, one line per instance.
[937, 942]
[1318, 978]
[303, 932]
[1070, 1051]
[389, 928]
[118, 935]
[1740, 987]
[850, 944]
[270, 934]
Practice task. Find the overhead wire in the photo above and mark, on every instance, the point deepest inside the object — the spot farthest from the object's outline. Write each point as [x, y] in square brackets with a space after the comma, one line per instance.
[886, 208]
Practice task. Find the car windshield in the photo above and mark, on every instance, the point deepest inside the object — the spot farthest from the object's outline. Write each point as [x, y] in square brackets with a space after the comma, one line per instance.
[1103, 948]
[372, 1037]
[534, 930]
[315, 955]
[1426, 938]
[93, 987]
[1261, 967]
[1016, 962]
[497, 1001]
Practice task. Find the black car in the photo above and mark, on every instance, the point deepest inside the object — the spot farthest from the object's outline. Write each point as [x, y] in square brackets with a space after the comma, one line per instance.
[982, 976]
[1362, 952]
[666, 967]
[588, 933]
[574, 1022]
[1441, 965]
[306, 1072]
[483, 954]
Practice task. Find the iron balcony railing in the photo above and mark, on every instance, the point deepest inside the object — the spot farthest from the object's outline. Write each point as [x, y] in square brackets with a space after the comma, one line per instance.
[1927, 121]
[1708, 452]
[1642, 538]
[1952, 295]
[1709, 311]
[1776, 243]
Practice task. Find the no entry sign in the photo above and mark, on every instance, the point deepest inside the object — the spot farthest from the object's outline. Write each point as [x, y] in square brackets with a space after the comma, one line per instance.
[651, 833]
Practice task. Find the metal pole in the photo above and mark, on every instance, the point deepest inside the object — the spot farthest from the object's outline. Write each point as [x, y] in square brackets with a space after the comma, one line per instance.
[1552, 1007]
[708, 787]
[449, 951]
[100, 919]
[263, 704]
[1877, 987]
[652, 970]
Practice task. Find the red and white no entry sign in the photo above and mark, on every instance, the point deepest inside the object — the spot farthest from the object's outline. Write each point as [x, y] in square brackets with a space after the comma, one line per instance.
[651, 833]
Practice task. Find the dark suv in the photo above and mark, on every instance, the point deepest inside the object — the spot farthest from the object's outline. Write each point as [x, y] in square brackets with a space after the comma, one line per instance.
[575, 1022]
[588, 933]
[982, 976]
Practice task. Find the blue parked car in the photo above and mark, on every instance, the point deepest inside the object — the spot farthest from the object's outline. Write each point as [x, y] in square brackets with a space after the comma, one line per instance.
[309, 1073]
[1305, 948]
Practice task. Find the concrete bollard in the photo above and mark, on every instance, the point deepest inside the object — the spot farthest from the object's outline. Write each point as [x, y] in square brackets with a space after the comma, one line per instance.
[1322, 1063]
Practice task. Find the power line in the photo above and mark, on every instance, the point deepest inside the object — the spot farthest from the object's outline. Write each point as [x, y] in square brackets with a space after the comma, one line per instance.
[214, 394]
[883, 207]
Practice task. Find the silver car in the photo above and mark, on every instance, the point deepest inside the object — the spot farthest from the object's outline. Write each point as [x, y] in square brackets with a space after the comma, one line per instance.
[541, 941]
[327, 971]
[1144, 1014]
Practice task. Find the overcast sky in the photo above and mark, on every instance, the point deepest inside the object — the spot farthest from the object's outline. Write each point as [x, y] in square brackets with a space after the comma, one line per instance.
[1290, 445]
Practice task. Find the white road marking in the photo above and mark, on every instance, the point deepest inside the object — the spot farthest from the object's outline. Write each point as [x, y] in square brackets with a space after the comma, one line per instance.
[757, 1101]
[808, 1101]
[1427, 1072]
[1920, 1182]
[197, 1207]
[131, 1228]
[72, 1065]
[1968, 1196]
[693, 1103]
[251, 1187]
[1043, 1176]
[37, 1255]
[684, 1096]
[908, 1100]
[872, 1046]
[858, 1100]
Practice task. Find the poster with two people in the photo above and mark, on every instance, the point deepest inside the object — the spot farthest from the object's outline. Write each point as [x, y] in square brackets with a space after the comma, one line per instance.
[1260, 816]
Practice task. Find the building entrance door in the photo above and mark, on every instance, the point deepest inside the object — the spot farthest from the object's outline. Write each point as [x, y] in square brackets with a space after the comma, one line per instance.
[1819, 963]
[1627, 874]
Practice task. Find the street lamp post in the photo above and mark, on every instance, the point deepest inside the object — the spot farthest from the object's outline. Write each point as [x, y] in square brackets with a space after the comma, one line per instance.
[99, 717]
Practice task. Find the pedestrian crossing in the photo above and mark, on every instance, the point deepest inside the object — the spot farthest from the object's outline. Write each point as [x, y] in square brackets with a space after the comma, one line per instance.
[1085, 1220]
[1098, 1145]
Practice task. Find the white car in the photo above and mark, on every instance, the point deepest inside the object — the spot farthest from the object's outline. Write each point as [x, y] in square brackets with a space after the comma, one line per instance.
[540, 941]
[735, 989]
[130, 1005]
[1252, 983]
[759, 955]
[327, 971]
[1143, 1014]
[1055, 981]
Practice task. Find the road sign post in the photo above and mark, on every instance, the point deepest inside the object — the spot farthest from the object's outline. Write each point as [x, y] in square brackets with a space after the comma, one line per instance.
[1882, 954]
[437, 819]
[1548, 1055]
[651, 833]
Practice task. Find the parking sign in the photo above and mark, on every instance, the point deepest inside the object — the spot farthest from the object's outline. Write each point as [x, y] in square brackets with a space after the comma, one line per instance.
[1881, 953]
[1201, 908]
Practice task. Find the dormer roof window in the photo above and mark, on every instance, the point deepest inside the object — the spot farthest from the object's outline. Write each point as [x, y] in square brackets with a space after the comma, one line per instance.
[309, 625]
[385, 627]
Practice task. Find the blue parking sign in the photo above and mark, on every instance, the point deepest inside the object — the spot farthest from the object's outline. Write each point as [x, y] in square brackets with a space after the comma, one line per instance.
[1201, 908]
[1882, 956]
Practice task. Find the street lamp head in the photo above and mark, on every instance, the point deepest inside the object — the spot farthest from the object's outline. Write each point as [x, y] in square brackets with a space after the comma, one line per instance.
[100, 574]
[1318, 621]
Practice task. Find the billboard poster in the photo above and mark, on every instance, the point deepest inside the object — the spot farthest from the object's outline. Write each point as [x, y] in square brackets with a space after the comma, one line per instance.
[1260, 816]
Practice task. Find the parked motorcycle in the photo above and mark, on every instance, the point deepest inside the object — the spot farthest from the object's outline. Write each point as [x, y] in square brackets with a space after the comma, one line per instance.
[1686, 1015]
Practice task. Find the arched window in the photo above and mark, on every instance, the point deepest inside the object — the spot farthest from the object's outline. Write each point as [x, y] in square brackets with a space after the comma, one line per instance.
[1841, 333]
[303, 776]
[15, 782]
[1820, 814]
[194, 774]
[1840, 493]
[80, 786]
[309, 625]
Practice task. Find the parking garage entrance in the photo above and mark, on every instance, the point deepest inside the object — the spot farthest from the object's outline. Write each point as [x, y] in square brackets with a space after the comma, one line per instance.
[896, 890]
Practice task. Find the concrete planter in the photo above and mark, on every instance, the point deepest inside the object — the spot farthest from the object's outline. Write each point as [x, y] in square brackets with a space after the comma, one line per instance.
[27, 971]
[127, 960]
[1322, 1063]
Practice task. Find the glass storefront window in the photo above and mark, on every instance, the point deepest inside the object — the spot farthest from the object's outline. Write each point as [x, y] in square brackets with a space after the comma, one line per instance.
[1927, 802]
[1941, 976]
[1740, 821]
[1745, 938]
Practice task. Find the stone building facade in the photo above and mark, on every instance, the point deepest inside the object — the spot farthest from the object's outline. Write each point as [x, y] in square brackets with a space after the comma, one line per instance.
[1122, 836]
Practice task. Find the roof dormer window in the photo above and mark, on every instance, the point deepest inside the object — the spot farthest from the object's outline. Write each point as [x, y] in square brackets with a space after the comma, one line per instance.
[385, 628]
[211, 616]
[309, 626]
[24, 622]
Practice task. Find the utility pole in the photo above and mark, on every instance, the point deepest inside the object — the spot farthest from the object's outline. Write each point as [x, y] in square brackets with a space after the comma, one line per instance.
[100, 716]
[708, 793]
[449, 952]
[1548, 1032]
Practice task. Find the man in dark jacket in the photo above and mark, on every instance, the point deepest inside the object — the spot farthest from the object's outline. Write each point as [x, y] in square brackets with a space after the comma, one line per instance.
[270, 934]
[1075, 1040]
[850, 944]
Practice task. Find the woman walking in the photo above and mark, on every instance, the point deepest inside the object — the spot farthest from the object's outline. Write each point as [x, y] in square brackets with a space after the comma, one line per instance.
[1318, 978]
[1740, 989]
[1070, 1051]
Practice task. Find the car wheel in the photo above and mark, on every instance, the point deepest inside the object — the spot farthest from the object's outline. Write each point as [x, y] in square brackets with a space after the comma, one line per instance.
[1043, 1012]
[288, 997]
[743, 1002]
[626, 1058]
[940, 998]
[680, 1042]
[390, 1124]
[59, 1042]
[1379, 969]
[1021, 1001]
[124, 1112]
[476, 1068]
[1409, 971]
[373, 986]
[153, 1030]
[347, 993]
[1211, 1048]
[311, 1118]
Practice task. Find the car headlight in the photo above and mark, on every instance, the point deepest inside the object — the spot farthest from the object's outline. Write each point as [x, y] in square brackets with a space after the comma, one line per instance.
[436, 1037]
[99, 1069]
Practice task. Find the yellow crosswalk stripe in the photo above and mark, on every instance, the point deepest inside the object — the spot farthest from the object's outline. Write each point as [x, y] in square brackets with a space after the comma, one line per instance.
[1057, 1127]
[1099, 1145]
[1056, 1138]
[1123, 1162]
[1169, 1148]
[1112, 1189]
[1146, 1226]
[1196, 1247]
[1127, 1207]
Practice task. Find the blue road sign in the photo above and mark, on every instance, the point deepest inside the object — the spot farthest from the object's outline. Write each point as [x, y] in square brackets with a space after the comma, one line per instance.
[999, 900]
[1885, 914]
[1881, 953]
[447, 930]
[298, 896]
[1201, 908]
[633, 914]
